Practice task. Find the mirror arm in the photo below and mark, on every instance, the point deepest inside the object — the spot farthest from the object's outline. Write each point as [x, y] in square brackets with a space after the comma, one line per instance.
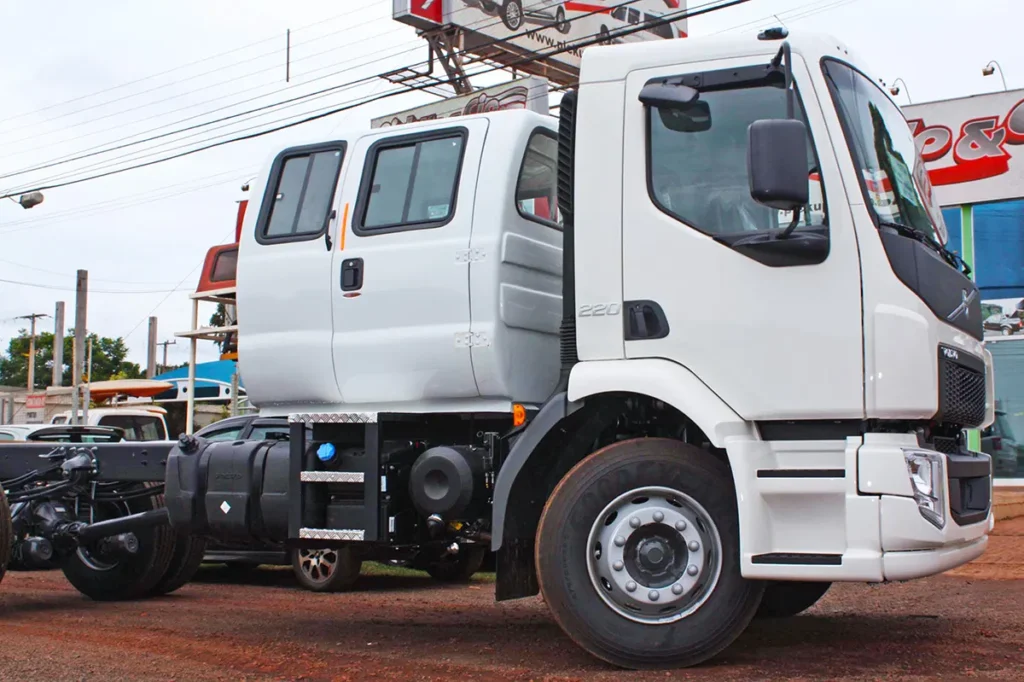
[785, 59]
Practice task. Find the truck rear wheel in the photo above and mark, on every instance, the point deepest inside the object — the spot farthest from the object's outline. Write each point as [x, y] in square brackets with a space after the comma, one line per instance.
[106, 576]
[783, 599]
[326, 570]
[6, 534]
[638, 555]
[188, 556]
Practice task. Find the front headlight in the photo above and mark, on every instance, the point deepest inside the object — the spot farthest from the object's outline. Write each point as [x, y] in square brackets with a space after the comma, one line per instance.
[926, 478]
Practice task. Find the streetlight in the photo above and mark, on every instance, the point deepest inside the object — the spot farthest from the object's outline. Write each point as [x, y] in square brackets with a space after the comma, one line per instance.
[31, 199]
[895, 89]
[990, 69]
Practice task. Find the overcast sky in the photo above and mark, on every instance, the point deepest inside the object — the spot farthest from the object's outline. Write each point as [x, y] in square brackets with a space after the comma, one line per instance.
[81, 75]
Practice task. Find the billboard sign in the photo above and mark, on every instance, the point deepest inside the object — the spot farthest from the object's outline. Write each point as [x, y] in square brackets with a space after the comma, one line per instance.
[35, 401]
[524, 93]
[507, 31]
[424, 14]
[973, 147]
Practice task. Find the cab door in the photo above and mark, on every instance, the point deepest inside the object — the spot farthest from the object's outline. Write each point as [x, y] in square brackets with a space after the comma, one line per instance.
[773, 327]
[284, 279]
[400, 278]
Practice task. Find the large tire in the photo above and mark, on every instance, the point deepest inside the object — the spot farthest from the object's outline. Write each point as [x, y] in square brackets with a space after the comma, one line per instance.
[512, 14]
[562, 24]
[461, 567]
[188, 556]
[326, 570]
[130, 577]
[686, 538]
[6, 534]
[783, 599]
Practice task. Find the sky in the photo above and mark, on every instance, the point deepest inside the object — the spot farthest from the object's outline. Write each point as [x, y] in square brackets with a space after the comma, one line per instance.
[83, 75]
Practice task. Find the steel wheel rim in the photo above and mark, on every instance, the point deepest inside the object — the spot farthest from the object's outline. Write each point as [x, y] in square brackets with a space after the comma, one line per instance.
[318, 564]
[654, 555]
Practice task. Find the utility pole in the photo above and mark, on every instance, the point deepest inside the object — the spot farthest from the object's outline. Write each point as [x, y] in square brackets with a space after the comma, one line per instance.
[81, 302]
[58, 345]
[151, 351]
[163, 367]
[32, 348]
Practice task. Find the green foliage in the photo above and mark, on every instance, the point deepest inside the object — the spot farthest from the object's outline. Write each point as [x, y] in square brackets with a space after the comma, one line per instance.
[108, 360]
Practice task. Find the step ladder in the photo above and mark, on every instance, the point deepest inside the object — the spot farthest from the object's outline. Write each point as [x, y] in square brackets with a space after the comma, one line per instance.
[340, 498]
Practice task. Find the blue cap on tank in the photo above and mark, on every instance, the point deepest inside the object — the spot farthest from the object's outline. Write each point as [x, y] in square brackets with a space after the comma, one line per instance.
[325, 452]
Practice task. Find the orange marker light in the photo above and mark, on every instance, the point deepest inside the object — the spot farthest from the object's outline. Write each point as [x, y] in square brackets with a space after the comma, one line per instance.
[518, 415]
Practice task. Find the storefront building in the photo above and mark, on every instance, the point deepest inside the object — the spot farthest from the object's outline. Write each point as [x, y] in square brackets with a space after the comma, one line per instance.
[973, 148]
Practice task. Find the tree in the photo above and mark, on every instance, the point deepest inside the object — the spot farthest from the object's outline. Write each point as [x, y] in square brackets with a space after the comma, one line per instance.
[222, 318]
[108, 360]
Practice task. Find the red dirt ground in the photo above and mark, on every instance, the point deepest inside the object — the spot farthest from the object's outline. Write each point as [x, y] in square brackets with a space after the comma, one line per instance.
[963, 625]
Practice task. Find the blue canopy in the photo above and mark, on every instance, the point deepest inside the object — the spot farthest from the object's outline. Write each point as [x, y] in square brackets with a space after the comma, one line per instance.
[221, 370]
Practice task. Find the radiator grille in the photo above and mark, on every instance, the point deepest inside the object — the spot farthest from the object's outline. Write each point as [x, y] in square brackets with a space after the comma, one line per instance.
[961, 392]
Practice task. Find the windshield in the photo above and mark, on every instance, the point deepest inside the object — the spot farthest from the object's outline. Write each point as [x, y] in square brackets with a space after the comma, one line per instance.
[892, 173]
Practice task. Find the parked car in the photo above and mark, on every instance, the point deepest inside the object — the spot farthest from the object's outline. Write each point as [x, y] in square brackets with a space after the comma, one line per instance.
[17, 431]
[140, 423]
[1003, 323]
[1007, 454]
[78, 434]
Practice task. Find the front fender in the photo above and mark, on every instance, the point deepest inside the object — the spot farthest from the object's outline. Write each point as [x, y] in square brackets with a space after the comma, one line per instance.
[665, 381]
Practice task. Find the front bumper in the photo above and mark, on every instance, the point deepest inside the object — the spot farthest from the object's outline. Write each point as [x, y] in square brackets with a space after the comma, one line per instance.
[865, 526]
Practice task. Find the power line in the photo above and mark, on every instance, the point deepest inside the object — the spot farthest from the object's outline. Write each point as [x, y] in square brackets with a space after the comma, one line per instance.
[54, 287]
[575, 45]
[164, 299]
[418, 44]
[185, 66]
[105, 148]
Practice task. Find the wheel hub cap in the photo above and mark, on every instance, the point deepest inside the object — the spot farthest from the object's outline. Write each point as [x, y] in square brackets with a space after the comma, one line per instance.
[318, 564]
[654, 555]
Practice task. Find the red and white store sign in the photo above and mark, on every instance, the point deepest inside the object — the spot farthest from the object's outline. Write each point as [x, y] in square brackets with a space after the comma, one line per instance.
[419, 13]
[973, 147]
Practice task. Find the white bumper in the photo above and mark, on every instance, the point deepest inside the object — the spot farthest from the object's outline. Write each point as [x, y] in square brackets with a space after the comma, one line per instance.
[845, 511]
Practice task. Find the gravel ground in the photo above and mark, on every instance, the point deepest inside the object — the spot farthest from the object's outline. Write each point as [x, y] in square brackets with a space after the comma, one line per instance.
[962, 625]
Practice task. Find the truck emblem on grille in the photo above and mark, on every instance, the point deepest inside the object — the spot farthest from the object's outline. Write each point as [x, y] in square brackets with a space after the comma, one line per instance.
[964, 307]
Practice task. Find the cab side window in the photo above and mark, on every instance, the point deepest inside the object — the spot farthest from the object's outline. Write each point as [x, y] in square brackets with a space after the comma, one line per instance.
[410, 182]
[537, 185]
[297, 202]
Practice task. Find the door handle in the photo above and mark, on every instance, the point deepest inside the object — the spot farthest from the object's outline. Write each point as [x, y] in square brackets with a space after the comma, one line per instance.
[352, 274]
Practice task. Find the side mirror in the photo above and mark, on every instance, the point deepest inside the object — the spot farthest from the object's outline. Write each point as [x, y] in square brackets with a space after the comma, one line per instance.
[777, 163]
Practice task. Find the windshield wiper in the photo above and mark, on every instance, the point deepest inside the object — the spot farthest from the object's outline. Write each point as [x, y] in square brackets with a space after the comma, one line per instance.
[914, 233]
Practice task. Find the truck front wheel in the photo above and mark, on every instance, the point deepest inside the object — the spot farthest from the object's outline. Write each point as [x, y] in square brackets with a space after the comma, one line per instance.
[638, 555]
[6, 534]
[783, 599]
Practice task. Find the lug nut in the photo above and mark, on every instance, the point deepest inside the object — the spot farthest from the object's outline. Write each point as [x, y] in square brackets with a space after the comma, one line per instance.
[692, 570]
[619, 541]
[618, 566]
[694, 546]
[658, 517]
[631, 586]
[677, 589]
[680, 526]
[634, 522]
[653, 595]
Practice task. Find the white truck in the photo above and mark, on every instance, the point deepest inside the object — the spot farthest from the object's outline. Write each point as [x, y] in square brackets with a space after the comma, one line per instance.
[616, 348]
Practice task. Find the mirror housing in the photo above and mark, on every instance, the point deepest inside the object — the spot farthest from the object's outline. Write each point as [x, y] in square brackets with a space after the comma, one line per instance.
[678, 106]
[777, 163]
